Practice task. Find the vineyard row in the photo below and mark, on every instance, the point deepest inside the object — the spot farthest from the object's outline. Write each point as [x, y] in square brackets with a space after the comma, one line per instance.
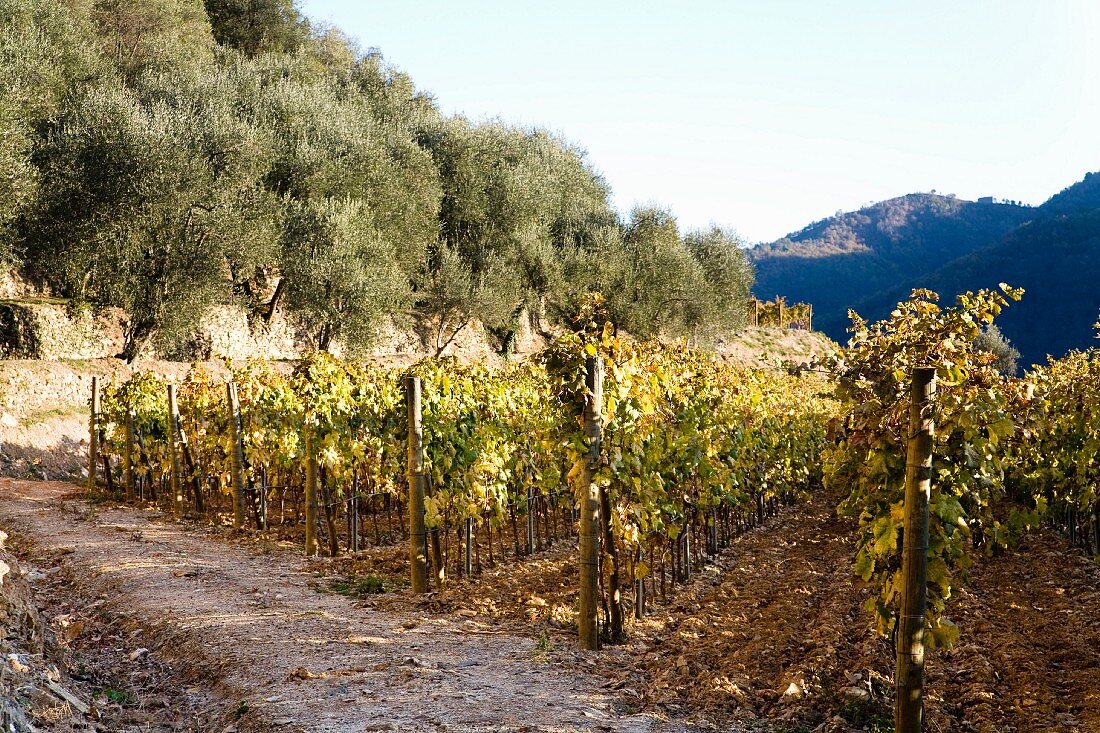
[691, 452]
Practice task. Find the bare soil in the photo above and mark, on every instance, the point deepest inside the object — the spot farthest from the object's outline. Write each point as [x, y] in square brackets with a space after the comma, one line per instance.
[769, 347]
[252, 625]
[770, 636]
[776, 631]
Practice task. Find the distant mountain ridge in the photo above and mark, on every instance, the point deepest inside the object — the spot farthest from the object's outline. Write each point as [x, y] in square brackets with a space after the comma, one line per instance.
[870, 259]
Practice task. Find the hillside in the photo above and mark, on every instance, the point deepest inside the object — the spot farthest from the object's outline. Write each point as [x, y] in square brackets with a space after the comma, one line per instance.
[870, 259]
[1056, 259]
[836, 262]
[1085, 194]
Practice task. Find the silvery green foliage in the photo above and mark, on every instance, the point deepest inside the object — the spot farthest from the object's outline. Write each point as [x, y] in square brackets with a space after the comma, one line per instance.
[165, 156]
[991, 340]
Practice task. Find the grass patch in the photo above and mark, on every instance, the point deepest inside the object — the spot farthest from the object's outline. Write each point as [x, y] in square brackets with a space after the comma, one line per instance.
[543, 647]
[367, 585]
[868, 715]
[39, 416]
[118, 697]
[239, 710]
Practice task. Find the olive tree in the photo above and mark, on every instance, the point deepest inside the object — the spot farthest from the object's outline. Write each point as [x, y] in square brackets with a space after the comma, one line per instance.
[727, 279]
[342, 274]
[362, 201]
[515, 202]
[992, 341]
[46, 51]
[258, 26]
[655, 278]
[153, 35]
[148, 202]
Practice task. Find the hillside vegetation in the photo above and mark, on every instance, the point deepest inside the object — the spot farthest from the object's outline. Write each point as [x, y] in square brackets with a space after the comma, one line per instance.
[1055, 259]
[836, 262]
[871, 259]
[167, 156]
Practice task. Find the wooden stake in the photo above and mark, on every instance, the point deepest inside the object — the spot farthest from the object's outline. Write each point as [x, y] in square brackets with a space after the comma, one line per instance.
[712, 533]
[439, 568]
[1096, 526]
[469, 546]
[418, 549]
[530, 520]
[686, 552]
[614, 631]
[262, 491]
[312, 547]
[587, 623]
[909, 680]
[147, 484]
[174, 482]
[237, 477]
[327, 505]
[193, 473]
[353, 523]
[93, 435]
[128, 456]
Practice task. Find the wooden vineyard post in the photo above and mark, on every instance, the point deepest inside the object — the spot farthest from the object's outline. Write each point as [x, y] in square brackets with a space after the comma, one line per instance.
[418, 546]
[909, 678]
[530, 520]
[469, 546]
[353, 524]
[93, 435]
[128, 456]
[1096, 526]
[353, 514]
[713, 533]
[262, 492]
[174, 482]
[781, 323]
[810, 318]
[756, 312]
[146, 489]
[312, 469]
[184, 452]
[235, 429]
[587, 626]
[686, 550]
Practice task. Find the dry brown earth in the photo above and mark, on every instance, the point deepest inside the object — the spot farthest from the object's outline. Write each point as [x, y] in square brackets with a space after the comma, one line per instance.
[246, 622]
[769, 637]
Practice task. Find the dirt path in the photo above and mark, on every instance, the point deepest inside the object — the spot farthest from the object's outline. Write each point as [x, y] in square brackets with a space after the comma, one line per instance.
[286, 657]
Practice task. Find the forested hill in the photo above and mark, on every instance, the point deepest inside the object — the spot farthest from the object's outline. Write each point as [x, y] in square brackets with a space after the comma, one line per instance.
[870, 259]
[167, 156]
[836, 262]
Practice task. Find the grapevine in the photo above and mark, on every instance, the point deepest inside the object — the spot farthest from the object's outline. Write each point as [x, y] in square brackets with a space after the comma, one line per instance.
[695, 449]
[974, 419]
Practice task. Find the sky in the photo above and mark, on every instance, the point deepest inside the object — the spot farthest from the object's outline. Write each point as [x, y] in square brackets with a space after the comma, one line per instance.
[764, 116]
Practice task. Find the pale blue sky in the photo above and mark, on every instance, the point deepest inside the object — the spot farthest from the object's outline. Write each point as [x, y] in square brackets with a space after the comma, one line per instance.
[766, 115]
